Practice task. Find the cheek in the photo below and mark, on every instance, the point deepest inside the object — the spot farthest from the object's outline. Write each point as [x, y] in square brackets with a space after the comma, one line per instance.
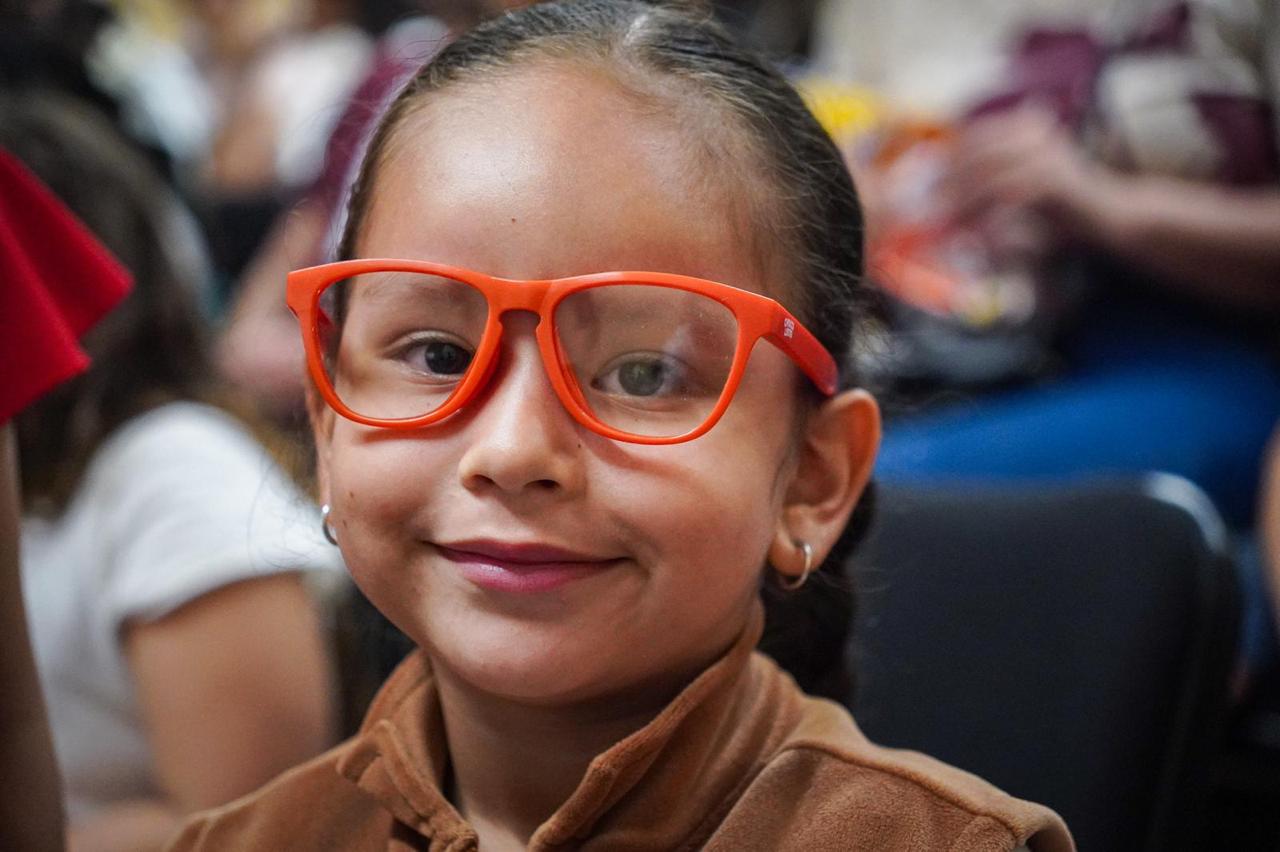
[377, 488]
[713, 521]
[716, 548]
[710, 507]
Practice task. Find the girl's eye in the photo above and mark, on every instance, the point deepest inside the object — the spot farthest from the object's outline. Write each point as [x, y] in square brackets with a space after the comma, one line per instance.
[437, 357]
[642, 375]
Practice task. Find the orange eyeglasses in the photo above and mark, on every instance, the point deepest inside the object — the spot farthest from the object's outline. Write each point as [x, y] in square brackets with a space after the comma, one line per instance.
[644, 357]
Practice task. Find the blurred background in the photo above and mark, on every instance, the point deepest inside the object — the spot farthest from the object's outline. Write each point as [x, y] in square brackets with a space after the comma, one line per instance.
[1072, 213]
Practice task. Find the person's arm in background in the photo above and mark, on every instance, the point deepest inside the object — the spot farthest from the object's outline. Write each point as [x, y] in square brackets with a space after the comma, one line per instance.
[245, 668]
[1221, 244]
[1269, 518]
[259, 349]
[31, 803]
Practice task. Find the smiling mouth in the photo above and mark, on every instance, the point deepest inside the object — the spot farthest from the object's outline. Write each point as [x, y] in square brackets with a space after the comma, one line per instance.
[521, 568]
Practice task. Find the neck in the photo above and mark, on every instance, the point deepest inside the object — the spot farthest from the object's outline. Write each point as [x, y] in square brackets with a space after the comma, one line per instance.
[513, 765]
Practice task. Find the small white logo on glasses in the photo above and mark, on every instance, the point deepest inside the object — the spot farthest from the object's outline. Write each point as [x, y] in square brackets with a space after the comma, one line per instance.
[788, 328]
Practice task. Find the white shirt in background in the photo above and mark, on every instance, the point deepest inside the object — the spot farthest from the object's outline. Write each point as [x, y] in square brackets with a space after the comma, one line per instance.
[178, 502]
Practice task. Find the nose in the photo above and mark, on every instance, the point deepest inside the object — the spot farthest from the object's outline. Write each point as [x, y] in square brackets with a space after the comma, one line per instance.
[521, 440]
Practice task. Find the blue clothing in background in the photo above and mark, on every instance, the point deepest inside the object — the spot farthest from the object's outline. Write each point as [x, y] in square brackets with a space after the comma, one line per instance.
[1147, 387]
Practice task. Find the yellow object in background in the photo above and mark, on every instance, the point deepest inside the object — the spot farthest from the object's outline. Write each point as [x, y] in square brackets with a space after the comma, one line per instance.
[162, 19]
[844, 110]
[168, 20]
[914, 253]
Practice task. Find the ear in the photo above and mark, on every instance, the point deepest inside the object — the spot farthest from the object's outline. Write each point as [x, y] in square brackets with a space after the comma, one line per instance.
[836, 455]
[321, 417]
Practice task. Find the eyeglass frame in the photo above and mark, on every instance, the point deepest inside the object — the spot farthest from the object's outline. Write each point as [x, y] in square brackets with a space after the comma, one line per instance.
[757, 317]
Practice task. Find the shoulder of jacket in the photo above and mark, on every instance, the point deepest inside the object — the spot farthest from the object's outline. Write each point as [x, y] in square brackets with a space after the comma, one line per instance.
[311, 800]
[848, 772]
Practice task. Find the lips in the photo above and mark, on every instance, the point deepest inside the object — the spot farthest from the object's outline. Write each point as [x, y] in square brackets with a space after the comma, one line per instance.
[527, 568]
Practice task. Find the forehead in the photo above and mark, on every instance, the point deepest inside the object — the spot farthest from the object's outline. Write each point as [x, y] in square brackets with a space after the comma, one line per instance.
[557, 171]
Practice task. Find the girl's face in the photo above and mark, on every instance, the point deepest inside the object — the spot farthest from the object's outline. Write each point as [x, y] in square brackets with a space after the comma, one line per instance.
[547, 174]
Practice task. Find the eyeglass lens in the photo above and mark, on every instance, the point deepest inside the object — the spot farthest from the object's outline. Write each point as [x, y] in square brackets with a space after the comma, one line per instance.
[643, 359]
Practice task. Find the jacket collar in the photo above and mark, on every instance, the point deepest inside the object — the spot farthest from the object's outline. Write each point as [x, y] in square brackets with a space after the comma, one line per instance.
[716, 732]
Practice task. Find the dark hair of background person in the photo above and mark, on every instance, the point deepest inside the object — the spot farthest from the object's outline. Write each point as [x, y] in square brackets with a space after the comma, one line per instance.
[44, 45]
[779, 29]
[46, 42]
[460, 15]
[675, 53]
[152, 348]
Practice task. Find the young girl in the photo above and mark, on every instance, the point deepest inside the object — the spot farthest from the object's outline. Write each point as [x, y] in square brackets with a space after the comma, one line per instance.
[568, 483]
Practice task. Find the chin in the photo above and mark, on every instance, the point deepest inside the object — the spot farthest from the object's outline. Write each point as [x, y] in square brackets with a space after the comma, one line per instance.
[538, 663]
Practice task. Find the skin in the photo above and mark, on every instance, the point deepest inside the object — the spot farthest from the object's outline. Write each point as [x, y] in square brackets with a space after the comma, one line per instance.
[1219, 244]
[246, 666]
[31, 807]
[499, 177]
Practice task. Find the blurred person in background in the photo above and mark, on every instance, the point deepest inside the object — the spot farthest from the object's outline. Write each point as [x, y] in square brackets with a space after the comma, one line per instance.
[225, 87]
[178, 642]
[1269, 518]
[49, 44]
[58, 281]
[276, 106]
[1155, 160]
[935, 59]
[175, 66]
[1176, 204]
[286, 99]
[31, 815]
[1144, 154]
[188, 82]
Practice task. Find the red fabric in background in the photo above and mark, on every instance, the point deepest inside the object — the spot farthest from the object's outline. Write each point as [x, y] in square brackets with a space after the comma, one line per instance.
[56, 281]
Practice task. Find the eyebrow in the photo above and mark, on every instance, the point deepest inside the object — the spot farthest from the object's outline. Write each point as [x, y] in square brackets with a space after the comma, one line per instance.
[386, 286]
[382, 285]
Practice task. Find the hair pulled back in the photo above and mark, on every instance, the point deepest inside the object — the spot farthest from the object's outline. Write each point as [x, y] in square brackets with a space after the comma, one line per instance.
[802, 204]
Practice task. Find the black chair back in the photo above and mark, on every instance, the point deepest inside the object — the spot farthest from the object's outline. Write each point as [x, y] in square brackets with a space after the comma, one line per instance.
[1071, 645]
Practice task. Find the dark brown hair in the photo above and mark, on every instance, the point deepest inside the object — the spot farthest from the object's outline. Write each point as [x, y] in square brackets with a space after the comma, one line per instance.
[800, 201]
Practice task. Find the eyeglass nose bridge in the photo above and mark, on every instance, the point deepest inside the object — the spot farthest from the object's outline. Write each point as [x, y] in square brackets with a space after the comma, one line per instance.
[508, 294]
[535, 297]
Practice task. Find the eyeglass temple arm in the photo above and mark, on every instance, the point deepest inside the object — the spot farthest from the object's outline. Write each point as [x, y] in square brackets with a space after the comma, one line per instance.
[792, 337]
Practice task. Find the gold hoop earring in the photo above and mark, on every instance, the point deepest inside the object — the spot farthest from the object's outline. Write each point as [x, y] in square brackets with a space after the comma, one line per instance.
[792, 585]
[326, 527]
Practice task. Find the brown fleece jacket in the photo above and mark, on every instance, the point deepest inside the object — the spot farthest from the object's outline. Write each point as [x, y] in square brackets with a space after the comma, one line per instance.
[740, 760]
